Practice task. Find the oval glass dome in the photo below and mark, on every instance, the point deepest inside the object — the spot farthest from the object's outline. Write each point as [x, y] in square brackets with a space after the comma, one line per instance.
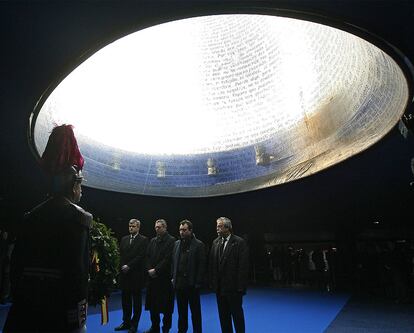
[224, 104]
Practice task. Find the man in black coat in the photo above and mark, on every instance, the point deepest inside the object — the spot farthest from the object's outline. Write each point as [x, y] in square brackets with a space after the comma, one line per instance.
[228, 275]
[133, 249]
[189, 261]
[160, 294]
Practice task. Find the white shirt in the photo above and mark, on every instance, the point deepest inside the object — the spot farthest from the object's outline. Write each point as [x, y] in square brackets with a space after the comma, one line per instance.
[226, 241]
[132, 238]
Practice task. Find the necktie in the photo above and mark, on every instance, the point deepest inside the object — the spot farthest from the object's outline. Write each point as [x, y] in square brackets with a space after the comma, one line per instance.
[130, 240]
[221, 249]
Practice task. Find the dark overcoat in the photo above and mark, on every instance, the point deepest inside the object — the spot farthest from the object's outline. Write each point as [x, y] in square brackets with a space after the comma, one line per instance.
[160, 295]
[50, 268]
[196, 262]
[232, 271]
[133, 255]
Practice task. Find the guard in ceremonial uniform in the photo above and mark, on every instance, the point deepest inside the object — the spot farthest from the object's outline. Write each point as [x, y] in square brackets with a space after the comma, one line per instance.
[50, 262]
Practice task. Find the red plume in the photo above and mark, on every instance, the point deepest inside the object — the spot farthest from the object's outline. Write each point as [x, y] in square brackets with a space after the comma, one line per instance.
[61, 151]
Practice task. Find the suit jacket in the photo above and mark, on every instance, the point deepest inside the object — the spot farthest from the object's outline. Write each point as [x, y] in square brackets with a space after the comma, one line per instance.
[230, 274]
[196, 262]
[133, 255]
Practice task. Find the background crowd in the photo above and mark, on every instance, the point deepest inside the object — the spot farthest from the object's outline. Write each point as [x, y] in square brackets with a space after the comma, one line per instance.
[383, 268]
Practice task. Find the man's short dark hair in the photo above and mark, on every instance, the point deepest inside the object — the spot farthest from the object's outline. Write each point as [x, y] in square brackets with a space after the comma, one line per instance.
[163, 222]
[189, 224]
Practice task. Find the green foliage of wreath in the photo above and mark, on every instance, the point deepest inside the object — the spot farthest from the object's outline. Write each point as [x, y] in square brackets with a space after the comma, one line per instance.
[103, 280]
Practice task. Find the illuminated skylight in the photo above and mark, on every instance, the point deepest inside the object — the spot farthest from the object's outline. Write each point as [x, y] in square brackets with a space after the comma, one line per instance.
[261, 99]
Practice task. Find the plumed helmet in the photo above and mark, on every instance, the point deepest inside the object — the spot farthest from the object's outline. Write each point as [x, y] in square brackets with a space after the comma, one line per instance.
[62, 160]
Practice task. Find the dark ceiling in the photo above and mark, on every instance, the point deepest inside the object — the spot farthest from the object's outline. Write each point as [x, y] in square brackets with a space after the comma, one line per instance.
[40, 41]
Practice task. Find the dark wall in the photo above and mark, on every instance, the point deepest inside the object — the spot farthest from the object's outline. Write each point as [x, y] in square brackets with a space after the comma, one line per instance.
[41, 41]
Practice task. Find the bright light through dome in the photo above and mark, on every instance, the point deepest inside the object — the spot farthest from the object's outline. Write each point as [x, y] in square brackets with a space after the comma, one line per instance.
[224, 87]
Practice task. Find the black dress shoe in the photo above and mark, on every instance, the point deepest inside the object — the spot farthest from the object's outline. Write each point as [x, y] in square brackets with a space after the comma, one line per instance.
[153, 330]
[122, 327]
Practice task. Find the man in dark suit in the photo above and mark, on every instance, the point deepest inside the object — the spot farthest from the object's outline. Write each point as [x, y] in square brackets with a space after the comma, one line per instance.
[228, 272]
[189, 261]
[133, 249]
[160, 294]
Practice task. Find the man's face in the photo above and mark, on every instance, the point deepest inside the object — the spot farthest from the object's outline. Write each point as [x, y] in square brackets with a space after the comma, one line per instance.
[133, 228]
[185, 232]
[77, 192]
[160, 229]
[222, 231]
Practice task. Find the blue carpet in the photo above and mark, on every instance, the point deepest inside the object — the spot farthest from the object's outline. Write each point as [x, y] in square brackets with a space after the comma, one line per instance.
[368, 314]
[266, 310]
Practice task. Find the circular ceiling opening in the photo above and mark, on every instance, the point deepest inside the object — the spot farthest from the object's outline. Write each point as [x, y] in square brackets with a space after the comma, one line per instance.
[223, 104]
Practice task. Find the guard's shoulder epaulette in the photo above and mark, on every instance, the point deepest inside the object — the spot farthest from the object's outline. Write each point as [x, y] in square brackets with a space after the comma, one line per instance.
[85, 217]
